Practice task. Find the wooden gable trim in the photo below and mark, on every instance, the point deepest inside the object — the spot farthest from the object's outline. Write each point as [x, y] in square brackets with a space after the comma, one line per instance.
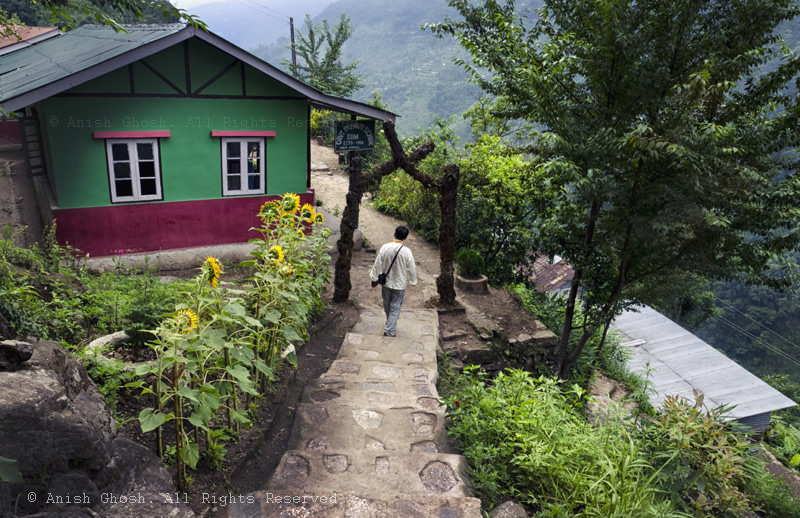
[161, 76]
[217, 76]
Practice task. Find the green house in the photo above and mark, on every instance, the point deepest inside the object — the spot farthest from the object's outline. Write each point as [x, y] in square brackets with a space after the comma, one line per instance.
[162, 137]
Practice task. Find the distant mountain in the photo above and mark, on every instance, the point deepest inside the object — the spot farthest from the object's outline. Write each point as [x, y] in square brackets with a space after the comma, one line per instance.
[412, 69]
[250, 23]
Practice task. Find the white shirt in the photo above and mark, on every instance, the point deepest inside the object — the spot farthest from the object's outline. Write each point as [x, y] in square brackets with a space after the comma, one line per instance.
[404, 270]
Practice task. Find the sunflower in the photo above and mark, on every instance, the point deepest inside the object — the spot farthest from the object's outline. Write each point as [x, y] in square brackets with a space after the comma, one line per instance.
[286, 270]
[318, 218]
[212, 269]
[275, 254]
[307, 212]
[301, 234]
[290, 203]
[186, 320]
[288, 219]
[269, 210]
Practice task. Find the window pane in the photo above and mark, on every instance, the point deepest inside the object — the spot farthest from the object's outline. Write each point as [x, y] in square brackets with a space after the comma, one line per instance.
[253, 149]
[234, 167]
[234, 183]
[119, 151]
[124, 188]
[234, 151]
[253, 182]
[145, 151]
[122, 170]
[147, 169]
[253, 165]
[148, 187]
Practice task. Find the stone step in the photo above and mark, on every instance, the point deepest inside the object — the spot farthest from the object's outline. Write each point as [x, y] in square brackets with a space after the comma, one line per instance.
[340, 382]
[389, 349]
[374, 473]
[352, 505]
[413, 325]
[318, 392]
[322, 427]
[368, 370]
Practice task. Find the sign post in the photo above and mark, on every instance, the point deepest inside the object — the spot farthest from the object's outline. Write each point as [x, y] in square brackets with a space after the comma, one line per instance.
[354, 135]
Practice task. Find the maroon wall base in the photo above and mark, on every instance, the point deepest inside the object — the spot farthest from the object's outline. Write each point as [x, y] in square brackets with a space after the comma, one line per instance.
[9, 132]
[150, 227]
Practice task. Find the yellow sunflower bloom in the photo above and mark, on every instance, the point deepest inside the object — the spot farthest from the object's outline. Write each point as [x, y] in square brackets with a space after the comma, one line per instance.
[212, 269]
[187, 320]
[275, 254]
[270, 210]
[307, 212]
[301, 234]
[318, 218]
[290, 203]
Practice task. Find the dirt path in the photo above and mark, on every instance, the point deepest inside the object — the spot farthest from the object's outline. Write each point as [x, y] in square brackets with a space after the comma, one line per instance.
[331, 187]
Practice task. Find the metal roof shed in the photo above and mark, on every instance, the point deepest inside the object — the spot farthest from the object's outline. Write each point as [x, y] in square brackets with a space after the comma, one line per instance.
[681, 362]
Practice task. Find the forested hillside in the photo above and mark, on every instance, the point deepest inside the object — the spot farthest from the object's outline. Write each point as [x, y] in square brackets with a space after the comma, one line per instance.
[754, 325]
[411, 68]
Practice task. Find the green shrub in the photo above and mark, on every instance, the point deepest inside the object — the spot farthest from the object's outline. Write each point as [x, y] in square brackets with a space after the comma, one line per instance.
[470, 263]
[527, 438]
[769, 495]
[783, 440]
[700, 460]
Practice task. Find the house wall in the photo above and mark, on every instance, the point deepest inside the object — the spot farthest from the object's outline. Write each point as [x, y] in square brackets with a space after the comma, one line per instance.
[190, 90]
[190, 156]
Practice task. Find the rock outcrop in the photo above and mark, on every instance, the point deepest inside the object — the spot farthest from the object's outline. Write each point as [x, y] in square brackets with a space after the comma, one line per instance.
[56, 424]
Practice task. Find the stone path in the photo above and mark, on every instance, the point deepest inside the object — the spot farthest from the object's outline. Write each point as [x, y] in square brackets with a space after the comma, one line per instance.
[369, 438]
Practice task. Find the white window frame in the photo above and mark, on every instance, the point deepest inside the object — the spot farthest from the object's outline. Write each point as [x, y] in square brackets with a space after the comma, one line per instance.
[243, 173]
[133, 158]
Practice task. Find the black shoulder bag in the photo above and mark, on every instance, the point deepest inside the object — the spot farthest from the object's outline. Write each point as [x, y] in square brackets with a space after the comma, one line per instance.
[382, 277]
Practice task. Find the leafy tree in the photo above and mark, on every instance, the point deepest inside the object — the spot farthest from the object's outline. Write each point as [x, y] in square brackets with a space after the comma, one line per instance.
[326, 72]
[663, 147]
[71, 13]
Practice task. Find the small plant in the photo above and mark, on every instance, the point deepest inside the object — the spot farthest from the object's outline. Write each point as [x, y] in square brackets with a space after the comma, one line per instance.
[700, 460]
[470, 263]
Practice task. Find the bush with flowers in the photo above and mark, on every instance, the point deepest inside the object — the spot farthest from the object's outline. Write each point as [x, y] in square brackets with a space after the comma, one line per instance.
[223, 345]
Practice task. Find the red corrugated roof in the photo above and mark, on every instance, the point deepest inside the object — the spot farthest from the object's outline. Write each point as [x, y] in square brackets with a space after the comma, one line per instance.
[551, 277]
[24, 33]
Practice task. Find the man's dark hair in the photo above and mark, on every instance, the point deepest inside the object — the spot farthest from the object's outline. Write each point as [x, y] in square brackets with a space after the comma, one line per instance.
[401, 232]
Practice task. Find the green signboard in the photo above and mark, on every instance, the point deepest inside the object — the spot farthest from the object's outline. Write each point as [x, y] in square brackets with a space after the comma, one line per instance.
[354, 135]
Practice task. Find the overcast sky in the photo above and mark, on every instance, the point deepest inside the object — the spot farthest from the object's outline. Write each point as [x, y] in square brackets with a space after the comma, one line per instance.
[187, 4]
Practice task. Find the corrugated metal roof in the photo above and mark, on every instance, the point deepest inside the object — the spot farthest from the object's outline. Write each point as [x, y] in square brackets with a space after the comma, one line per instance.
[58, 58]
[680, 362]
[58, 64]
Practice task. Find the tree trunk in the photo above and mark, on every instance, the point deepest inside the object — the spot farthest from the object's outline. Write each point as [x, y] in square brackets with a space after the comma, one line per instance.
[572, 299]
[341, 280]
[448, 198]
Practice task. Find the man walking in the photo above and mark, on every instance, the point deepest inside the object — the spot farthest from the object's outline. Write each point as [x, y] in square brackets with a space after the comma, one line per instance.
[397, 262]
